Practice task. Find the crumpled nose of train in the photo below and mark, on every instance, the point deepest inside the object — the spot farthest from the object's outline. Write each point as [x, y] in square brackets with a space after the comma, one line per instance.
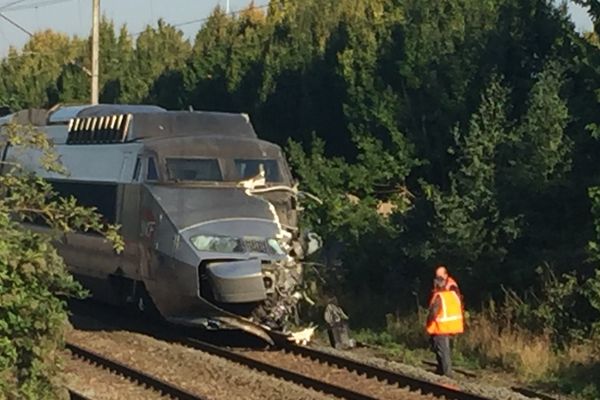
[229, 243]
[193, 221]
[227, 231]
[188, 207]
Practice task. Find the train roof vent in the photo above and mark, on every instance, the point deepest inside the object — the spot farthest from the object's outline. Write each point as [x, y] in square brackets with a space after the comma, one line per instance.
[99, 130]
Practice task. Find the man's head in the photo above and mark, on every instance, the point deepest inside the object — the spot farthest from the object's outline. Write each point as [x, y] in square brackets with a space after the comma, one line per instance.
[441, 272]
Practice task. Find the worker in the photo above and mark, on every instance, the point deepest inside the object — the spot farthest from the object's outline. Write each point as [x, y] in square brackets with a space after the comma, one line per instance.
[339, 332]
[444, 320]
[450, 283]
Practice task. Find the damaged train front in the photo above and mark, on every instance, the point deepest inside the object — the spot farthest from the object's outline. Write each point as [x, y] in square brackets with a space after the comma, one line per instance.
[248, 249]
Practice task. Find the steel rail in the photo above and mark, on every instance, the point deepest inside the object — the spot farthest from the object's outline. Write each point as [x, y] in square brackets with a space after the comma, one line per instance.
[75, 395]
[532, 393]
[426, 387]
[391, 376]
[282, 342]
[278, 372]
[132, 374]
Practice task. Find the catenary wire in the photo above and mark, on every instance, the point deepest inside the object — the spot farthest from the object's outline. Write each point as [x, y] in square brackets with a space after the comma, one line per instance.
[195, 21]
[15, 24]
[36, 5]
[13, 3]
[200, 20]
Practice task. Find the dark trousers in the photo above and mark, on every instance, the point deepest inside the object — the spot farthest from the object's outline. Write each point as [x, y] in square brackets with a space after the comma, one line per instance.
[440, 344]
[339, 336]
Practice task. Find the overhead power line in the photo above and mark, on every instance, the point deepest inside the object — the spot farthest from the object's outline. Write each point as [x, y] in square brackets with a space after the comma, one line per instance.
[39, 4]
[194, 21]
[200, 20]
[13, 3]
[17, 25]
[14, 6]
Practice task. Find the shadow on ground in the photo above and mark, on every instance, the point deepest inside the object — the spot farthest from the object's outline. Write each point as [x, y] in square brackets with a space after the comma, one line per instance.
[87, 315]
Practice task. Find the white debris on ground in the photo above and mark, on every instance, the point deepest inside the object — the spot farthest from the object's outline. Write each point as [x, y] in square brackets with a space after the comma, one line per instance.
[303, 337]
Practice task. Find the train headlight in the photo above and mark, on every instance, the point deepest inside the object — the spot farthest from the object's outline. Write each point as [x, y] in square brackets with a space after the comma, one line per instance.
[218, 244]
[228, 244]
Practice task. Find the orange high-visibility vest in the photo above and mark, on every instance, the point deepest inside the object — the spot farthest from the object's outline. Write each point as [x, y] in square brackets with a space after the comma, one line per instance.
[449, 319]
[451, 282]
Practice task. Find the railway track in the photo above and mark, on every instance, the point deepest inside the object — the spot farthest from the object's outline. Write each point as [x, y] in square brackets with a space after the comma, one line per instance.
[75, 395]
[333, 375]
[322, 371]
[438, 390]
[139, 377]
[381, 374]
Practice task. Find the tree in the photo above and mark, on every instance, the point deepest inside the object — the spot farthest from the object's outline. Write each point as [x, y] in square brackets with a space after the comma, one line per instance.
[541, 141]
[32, 274]
[469, 229]
[157, 50]
[29, 75]
[206, 73]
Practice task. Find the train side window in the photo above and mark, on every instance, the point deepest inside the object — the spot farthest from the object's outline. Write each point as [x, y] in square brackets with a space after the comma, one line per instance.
[99, 195]
[136, 171]
[152, 174]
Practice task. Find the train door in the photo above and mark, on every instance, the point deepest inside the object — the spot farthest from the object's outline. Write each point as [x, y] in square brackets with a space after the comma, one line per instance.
[150, 215]
[129, 216]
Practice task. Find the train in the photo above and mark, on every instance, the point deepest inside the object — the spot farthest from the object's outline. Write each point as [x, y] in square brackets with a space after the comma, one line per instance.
[208, 212]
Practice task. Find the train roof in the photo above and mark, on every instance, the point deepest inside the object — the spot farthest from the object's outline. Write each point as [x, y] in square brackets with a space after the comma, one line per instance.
[82, 132]
[108, 123]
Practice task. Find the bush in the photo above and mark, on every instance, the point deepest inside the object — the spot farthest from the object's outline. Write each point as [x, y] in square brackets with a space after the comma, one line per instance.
[32, 318]
[32, 274]
[578, 371]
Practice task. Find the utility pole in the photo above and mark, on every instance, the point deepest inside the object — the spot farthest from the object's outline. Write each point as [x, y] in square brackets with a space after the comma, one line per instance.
[227, 7]
[95, 50]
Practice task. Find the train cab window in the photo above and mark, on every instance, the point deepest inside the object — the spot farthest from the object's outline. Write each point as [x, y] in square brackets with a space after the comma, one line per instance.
[194, 169]
[152, 174]
[249, 168]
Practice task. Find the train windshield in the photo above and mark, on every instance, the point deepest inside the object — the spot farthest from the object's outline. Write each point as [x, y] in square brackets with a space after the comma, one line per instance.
[194, 169]
[247, 168]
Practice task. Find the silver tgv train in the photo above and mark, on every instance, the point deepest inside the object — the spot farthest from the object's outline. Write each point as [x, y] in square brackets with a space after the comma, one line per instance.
[208, 212]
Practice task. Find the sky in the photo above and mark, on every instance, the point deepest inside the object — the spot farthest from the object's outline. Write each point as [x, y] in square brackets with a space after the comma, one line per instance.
[74, 16]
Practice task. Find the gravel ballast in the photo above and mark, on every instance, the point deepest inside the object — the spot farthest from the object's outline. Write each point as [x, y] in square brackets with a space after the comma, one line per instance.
[492, 392]
[193, 370]
[100, 384]
[337, 376]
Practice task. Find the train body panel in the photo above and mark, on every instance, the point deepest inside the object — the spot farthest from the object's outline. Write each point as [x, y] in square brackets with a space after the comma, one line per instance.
[200, 241]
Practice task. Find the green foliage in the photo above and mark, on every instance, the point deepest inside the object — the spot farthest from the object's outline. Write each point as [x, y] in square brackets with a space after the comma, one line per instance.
[469, 225]
[32, 274]
[564, 307]
[21, 75]
[540, 138]
[351, 192]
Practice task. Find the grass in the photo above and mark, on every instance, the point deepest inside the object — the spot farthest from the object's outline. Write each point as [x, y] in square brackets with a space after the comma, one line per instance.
[510, 348]
[498, 347]
[577, 372]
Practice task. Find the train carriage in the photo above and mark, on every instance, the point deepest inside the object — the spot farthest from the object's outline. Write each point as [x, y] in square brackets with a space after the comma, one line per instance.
[207, 210]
